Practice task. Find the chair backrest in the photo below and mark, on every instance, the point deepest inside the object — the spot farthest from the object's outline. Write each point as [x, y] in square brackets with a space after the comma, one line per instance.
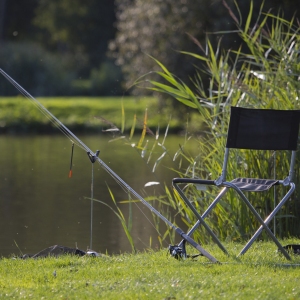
[263, 129]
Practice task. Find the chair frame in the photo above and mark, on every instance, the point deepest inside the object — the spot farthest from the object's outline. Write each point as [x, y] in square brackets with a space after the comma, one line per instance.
[226, 185]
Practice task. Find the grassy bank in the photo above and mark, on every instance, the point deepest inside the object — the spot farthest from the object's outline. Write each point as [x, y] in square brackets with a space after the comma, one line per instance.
[19, 115]
[261, 273]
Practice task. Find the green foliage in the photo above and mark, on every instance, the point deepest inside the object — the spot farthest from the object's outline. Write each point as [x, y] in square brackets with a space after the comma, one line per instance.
[163, 28]
[118, 212]
[263, 76]
[152, 150]
[153, 275]
[79, 28]
[74, 34]
[39, 71]
[82, 30]
[46, 74]
[159, 28]
[106, 80]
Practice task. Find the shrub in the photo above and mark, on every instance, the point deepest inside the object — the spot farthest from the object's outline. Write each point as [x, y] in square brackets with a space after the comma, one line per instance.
[106, 80]
[42, 73]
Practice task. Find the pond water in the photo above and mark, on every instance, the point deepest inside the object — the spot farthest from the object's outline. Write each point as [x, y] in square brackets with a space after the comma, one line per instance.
[41, 206]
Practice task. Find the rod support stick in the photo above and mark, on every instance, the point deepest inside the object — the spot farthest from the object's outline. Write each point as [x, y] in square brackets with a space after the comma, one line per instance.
[93, 158]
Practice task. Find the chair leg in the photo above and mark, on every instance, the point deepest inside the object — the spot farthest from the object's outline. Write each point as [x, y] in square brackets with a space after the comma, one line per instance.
[205, 214]
[267, 221]
[263, 224]
[200, 219]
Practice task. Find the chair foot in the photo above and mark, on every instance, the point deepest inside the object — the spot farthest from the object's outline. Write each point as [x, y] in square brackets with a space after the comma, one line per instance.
[177, 252]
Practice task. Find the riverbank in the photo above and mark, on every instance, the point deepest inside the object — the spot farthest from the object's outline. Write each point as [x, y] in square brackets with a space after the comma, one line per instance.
[87, 114]
[261, 273]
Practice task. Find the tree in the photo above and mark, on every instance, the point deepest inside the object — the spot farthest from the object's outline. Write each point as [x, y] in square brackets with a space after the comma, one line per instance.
[75, 33]
[77, 27]
[164, 28]
[2, 13]
[16, 17]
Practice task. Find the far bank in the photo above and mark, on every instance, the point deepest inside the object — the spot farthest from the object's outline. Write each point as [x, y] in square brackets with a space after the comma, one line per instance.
[88, 115]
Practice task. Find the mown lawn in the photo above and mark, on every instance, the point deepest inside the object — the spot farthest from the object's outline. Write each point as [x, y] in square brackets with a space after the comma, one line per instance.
[18, 114]
[261, 273]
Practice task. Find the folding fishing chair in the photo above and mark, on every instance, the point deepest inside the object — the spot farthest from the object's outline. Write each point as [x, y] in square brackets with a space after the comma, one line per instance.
[254, 129]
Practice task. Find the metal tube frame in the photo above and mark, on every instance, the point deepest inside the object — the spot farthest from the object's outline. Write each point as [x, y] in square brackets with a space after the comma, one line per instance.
[226, 185]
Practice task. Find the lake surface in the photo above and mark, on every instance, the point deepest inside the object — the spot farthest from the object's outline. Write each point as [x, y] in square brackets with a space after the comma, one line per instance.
[41, 206]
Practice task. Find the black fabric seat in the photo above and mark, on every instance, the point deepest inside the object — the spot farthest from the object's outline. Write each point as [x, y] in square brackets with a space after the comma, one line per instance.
[254, 185]
[252, 129]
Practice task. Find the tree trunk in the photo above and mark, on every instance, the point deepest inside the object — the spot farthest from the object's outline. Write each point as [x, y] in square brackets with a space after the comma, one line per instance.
[2, 16]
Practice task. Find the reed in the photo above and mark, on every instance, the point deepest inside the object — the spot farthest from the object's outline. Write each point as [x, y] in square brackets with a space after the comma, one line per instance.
[152, 151]
[126, 225]
[265, 76]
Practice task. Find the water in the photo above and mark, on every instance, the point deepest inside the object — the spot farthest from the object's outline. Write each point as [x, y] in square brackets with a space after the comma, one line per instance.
[40, 206]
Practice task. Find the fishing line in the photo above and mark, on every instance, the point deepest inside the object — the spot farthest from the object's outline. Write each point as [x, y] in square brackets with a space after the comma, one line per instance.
[122, 183]
[46, 113]
[140, 209]
[94, 157]
[92, 207]
[60, 126]
[69, 134]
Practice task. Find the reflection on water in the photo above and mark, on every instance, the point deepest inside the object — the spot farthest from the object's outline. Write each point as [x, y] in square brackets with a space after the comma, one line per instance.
[40, 206]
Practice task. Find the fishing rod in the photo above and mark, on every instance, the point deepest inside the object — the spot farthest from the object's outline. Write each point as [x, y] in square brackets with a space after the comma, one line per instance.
[95, 157]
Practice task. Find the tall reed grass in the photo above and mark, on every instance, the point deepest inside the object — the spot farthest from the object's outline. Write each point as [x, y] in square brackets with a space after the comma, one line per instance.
[265, 75]
[152, 150]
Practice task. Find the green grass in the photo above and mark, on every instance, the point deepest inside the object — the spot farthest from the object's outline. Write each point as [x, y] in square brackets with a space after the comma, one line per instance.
[17, 114]
[261, 273]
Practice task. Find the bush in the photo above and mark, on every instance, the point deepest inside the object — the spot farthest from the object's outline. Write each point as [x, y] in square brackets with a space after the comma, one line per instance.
[42, 73]
[106, 80]
[163, 28]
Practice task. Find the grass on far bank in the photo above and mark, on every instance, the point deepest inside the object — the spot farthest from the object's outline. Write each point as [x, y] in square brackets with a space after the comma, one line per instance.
[81, 114]
[261, 273]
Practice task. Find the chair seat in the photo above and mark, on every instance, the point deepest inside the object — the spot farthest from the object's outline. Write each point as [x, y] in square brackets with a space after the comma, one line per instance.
[253, 184]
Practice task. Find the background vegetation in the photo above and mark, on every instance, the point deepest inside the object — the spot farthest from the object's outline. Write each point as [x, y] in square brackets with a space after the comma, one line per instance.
[264, 76]
[85, 114]
[254, 64]
[65, 47]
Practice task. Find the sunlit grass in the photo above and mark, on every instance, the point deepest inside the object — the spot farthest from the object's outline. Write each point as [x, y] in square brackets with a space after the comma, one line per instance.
[260, 274]
[82, 113]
